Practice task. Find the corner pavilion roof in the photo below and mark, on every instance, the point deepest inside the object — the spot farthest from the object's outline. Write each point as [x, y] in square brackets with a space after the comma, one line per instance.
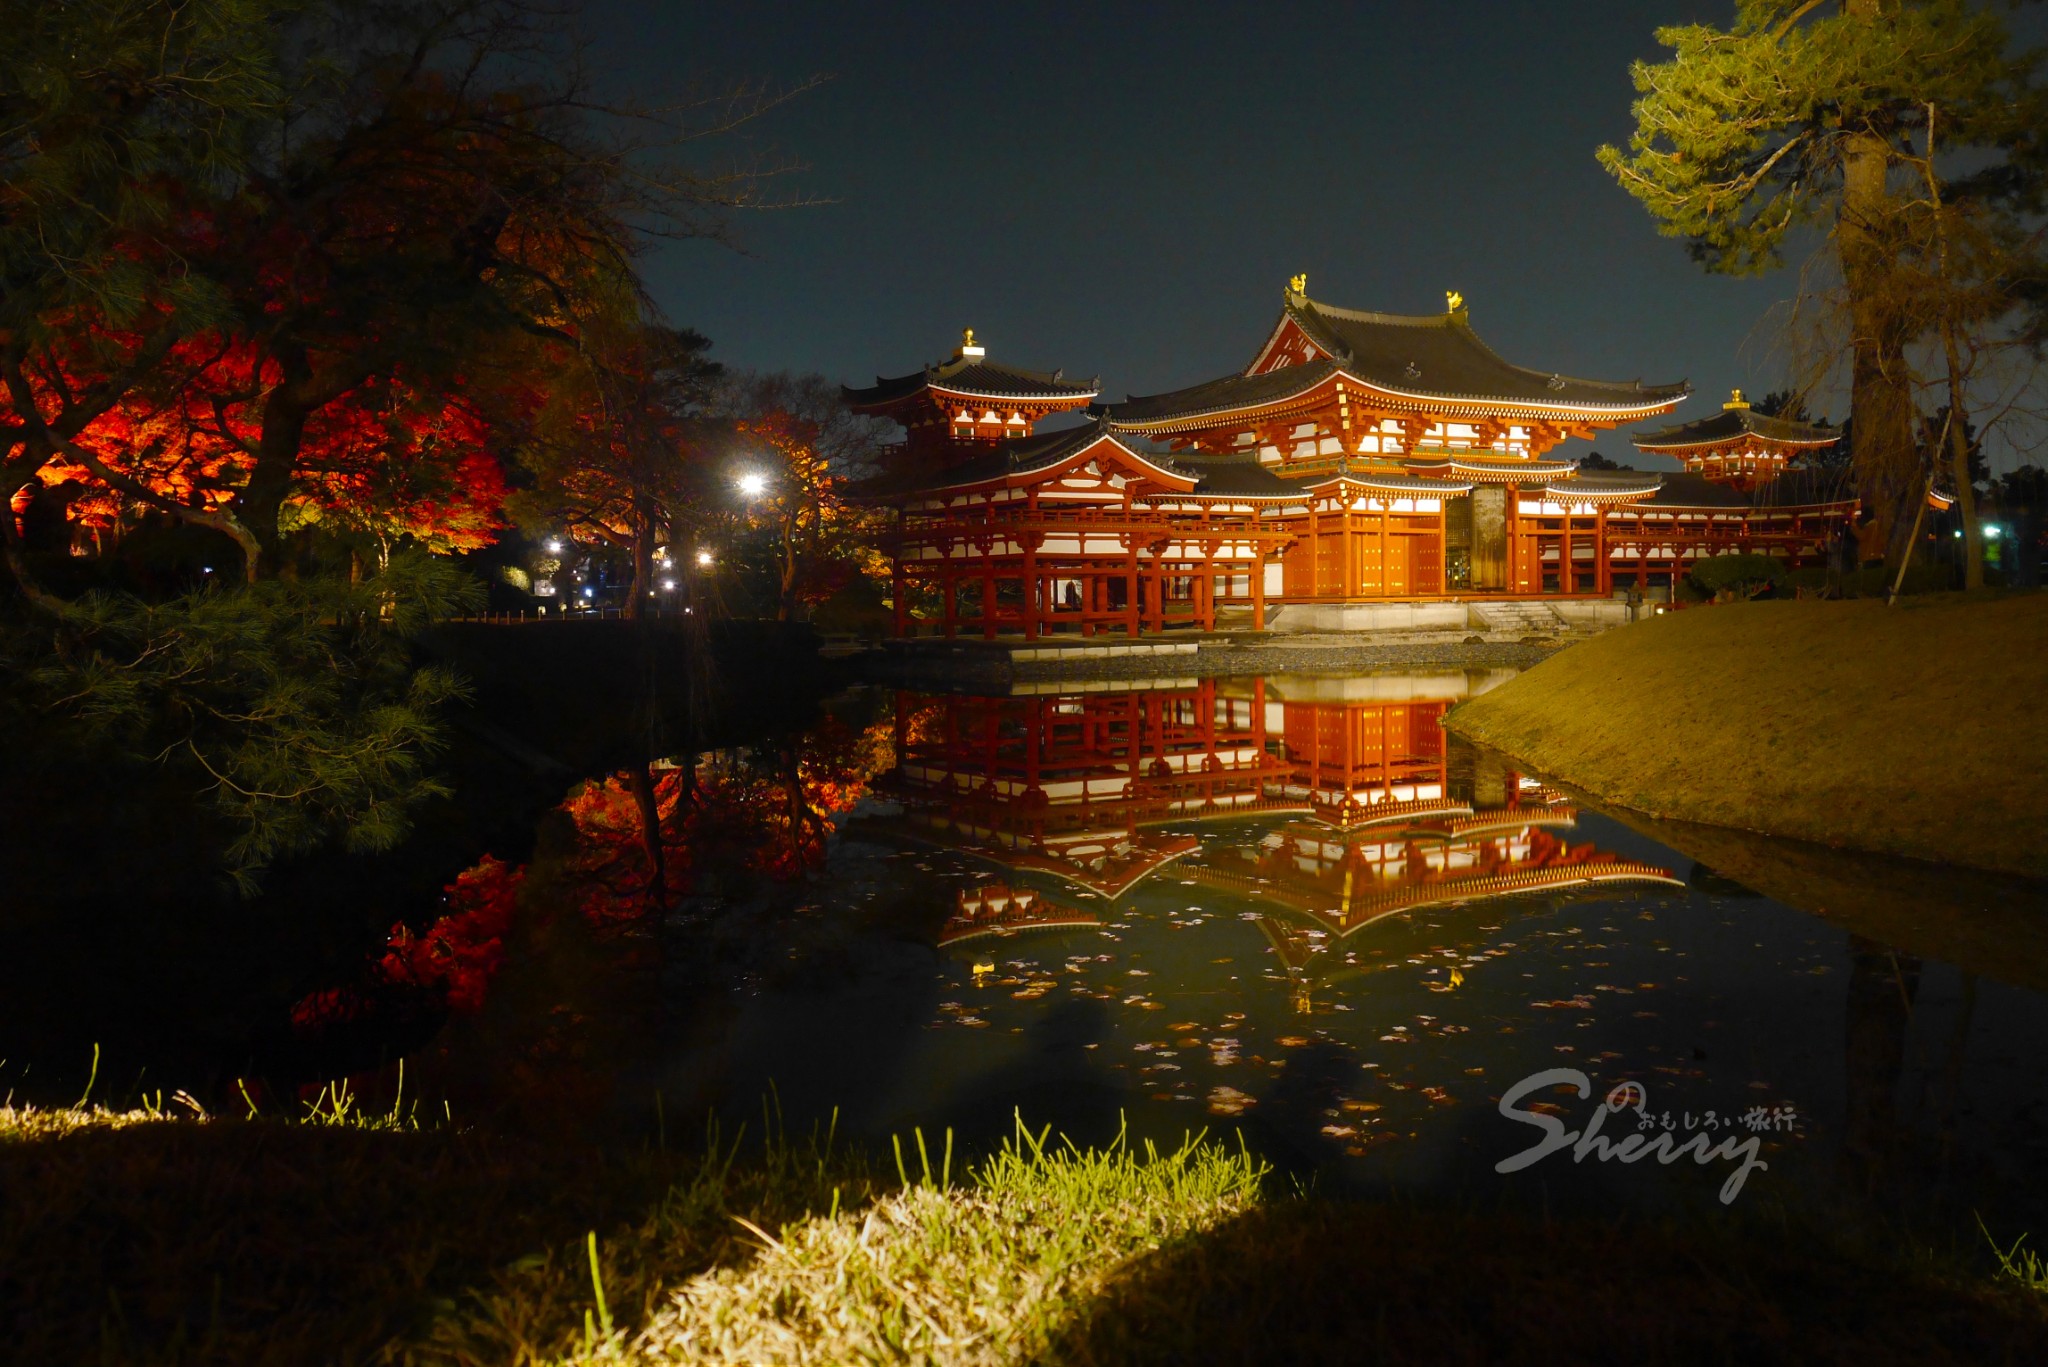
[1791, 489]
[1231, 476]
[1607, 484]
[1433, 356]
[1017, 456]
[1239, 476]
[974, 377]
[1732, 424]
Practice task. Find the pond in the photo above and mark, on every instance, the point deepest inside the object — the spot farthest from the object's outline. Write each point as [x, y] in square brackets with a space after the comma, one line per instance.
[1291, 907]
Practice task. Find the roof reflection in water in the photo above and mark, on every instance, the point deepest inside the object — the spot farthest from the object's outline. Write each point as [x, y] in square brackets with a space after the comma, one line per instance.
[1372, 813]
[1068, 784]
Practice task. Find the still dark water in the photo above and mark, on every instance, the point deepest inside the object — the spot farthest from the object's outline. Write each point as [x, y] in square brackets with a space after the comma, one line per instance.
[1291, 907]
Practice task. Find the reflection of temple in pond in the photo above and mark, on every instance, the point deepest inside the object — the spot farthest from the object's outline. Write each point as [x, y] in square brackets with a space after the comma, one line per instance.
[1066, 784]
[997, 909]
[1372, 812]
[1399, 820]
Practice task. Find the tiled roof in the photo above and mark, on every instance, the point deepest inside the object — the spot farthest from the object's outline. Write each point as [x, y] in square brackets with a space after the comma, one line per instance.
[1017, 456]
[1791, 489]
[1608, 483]
[974, 376]
[1220, 395]
[1732, 423]
[1684, 489]
[1240, 476]
[1392, 481]
[1439, 355]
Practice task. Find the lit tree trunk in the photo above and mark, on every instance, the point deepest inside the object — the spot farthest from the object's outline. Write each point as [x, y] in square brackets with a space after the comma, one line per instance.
[643, 562]
[277, 455]
[1958, 436]
[1959, 466]
[1882, 449]
[785, 608]
[641, 779]
[17, 565]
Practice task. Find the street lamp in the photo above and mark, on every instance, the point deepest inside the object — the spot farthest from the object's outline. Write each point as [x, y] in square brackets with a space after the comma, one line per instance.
[753, 484]
[704, 559]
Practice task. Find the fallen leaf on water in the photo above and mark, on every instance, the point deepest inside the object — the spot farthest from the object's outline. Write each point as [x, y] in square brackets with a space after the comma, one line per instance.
[1228, 1100]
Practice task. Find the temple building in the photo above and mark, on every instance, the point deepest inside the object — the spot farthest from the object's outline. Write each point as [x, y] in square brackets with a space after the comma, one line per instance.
[1738, 446]
[1358, 458]
[1744, 489]
[969, 403]
[1419, 452]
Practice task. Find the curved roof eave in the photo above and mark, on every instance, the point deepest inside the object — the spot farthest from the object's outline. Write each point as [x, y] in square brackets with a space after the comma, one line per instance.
[1540, 409]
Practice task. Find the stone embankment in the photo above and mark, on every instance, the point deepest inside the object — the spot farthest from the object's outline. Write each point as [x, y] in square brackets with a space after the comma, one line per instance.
[1300, 639]
[997, 664]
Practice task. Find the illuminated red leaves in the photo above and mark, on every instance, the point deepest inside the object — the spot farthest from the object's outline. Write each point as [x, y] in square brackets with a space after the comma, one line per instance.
[459, 953]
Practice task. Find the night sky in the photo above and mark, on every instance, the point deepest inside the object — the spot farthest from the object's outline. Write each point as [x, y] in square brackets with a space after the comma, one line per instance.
[1123, 189]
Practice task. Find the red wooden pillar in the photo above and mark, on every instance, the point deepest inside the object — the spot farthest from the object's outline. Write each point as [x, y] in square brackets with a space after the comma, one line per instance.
[1347, 539]
[1036, 599]
[1603, 569]
[1131, 584]
[1205, 589]
[1386, 549]
[988, 595]
[1258, 577]
[1316, 586]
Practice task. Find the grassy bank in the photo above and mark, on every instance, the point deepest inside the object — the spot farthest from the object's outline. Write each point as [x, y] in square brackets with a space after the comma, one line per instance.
[154, 1237]
[1917, 730]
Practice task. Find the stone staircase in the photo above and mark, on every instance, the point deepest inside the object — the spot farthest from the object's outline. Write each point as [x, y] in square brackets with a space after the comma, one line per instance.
[1516, 620]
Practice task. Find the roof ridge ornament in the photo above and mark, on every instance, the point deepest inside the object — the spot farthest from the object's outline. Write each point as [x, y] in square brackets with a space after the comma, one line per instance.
[968, 349]
[1454, 301]
[1556, 381]
[1735, 402]
[1413, 372]
[1298, 285]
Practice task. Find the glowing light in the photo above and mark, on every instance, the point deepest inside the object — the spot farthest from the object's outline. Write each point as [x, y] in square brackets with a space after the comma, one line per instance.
[668, 584]
[554, 545]
[703, 557]
[1991, 532]
[753, 484]
[587, 593]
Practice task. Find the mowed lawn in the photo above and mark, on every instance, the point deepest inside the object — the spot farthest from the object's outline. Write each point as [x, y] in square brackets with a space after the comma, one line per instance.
[1919, 730]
